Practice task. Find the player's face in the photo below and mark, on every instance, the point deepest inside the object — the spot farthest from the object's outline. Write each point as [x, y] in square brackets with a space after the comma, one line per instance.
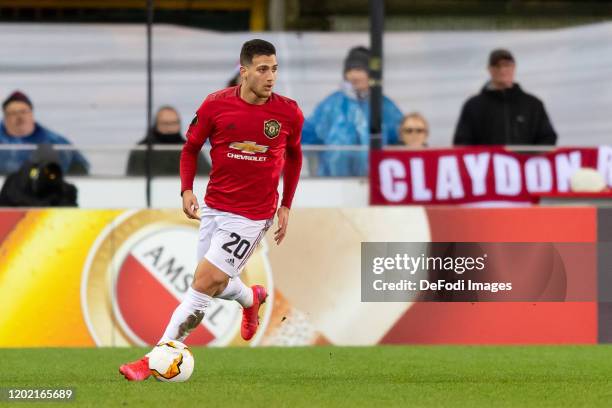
[260, 76]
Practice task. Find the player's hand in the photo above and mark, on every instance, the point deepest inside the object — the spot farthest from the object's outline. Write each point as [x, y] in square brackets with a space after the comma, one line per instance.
[283, 220]
[190, 205]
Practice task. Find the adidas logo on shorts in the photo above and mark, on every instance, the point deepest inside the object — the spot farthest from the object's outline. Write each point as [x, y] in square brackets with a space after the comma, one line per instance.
[230, 261]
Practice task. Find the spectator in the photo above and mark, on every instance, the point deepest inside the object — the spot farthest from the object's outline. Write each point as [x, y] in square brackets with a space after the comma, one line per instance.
[503, 114]
[167, 131]
[343, 119]
[19, 127]
[414, 131]
[234, 81]
[39, 183]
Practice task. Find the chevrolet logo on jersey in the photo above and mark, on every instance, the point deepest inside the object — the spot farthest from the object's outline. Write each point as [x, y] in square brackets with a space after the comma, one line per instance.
[248, 147]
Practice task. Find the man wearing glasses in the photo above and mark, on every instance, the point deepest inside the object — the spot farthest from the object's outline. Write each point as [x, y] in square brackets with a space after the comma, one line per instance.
[502, 113]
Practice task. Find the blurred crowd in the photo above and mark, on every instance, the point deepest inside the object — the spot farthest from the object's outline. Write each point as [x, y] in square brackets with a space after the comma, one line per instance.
[501, 113]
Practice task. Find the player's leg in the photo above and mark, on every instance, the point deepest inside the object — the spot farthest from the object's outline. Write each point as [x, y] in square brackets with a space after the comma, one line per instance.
[224, 242]
[238, 241]
[250, 299]
[227, 241]
[235, 289]
[238, 291]
[208, 281]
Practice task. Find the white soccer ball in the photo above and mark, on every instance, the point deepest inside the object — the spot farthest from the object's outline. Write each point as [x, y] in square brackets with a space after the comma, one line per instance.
[171, 362]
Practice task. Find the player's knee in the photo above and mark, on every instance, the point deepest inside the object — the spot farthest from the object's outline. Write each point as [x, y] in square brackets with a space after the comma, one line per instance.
[201, 285]
[208, 285]
[209, 279]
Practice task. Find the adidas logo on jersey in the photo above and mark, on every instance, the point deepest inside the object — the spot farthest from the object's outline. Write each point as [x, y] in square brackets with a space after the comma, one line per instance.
[230, 261]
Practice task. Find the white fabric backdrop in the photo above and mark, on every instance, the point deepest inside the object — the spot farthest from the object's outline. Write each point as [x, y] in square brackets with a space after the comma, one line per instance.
[88, 81]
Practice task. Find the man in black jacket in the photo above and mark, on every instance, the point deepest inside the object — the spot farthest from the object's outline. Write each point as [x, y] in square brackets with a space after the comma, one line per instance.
[166, 131]
[503, 114]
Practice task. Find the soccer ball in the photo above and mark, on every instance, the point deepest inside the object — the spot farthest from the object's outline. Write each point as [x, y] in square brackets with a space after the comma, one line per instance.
[171, 362]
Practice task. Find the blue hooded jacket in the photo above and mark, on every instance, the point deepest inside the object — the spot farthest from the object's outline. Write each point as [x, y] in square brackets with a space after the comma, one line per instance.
[343, 119]
[11, 160]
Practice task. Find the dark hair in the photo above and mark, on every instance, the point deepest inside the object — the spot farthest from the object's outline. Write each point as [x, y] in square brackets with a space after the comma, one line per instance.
[499, 55]
[255, 47]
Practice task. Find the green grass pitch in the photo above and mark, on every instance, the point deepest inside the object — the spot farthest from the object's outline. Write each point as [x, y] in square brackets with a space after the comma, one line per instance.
[402, 376]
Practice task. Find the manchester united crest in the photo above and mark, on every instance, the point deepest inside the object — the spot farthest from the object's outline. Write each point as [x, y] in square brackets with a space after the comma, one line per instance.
[272, 128]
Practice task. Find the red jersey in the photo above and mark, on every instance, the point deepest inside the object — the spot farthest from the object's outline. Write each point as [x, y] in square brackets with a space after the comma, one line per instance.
[251, 145]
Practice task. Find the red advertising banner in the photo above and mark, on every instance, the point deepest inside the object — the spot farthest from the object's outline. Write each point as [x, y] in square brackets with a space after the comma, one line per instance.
[478, 174]
[75, 272]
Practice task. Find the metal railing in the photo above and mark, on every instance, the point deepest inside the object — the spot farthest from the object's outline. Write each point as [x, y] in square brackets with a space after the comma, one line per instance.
[111, 160]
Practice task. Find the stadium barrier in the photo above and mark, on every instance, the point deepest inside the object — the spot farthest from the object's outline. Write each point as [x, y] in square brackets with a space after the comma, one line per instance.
[515, 175]
[87, 278]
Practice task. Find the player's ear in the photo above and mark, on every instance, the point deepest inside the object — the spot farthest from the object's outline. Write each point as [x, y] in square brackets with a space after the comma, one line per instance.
[243, 71]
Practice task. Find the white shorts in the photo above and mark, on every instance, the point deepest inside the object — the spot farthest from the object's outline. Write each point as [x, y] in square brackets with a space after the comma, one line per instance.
[227, 240]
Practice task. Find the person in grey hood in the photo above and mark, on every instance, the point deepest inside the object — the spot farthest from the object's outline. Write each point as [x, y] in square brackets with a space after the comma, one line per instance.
[502, 113]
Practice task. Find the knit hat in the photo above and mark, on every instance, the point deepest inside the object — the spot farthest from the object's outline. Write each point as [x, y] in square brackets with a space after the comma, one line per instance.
[16, 96]
[357, 58]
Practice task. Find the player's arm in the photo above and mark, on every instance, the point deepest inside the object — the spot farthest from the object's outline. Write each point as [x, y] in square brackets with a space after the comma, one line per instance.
[199, 130]
[291, 176]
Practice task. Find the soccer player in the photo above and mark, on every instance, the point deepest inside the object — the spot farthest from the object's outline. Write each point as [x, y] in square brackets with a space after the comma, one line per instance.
[255, 136]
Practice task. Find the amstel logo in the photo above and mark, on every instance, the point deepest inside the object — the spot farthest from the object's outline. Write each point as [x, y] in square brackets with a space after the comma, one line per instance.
[139, 269]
